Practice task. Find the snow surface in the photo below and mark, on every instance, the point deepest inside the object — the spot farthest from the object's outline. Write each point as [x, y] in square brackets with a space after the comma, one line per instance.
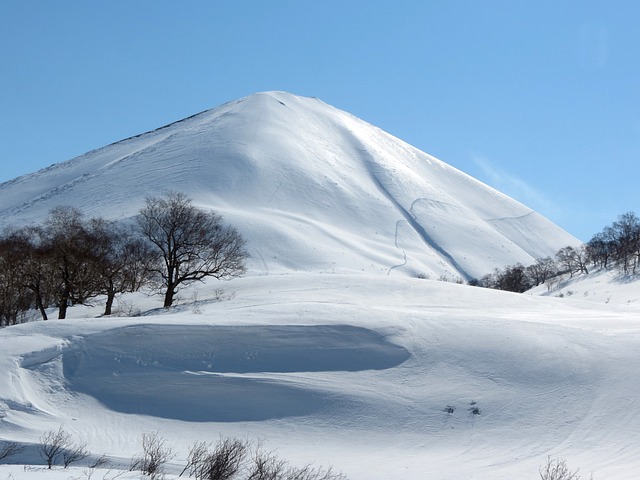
[328, 350]
[312, 188]
[600, 286]
[354, 371]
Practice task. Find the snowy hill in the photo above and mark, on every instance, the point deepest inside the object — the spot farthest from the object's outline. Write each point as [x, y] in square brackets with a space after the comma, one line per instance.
[380, 377]
[311, 187]
[327, 350]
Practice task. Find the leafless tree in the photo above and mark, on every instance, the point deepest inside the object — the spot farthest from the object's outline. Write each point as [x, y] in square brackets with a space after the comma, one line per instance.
[70, 247]
[514, 278]
[197, 453]
[154, 457]
[232, 458]
[14, 295]
[313, 473]
[540, 271]
[192, 244]
[618, 242]
[266, 466]
[626, 231]
[9, 449]
[557, 469]
[74, 453]
[53, 443]
[573, 260]
[100, 462]
[222, 462]
[122, 261]
[33, 254]
[600, 250]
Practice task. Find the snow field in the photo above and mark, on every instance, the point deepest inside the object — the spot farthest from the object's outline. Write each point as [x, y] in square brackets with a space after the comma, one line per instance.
[380, 377]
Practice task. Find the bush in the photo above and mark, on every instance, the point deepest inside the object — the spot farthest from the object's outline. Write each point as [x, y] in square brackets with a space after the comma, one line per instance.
[155, 455]
[232, 458]
[222, 462]
[9, 449]
[58, 443]
[557, 469]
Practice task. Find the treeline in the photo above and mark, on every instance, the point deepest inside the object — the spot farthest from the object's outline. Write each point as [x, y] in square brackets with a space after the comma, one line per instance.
[616, 246]
[70, 260]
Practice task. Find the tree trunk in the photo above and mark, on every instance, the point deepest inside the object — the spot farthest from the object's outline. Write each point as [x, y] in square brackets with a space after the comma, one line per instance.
[168, 297]
[110, 297]
[62, 309]
[40, 307]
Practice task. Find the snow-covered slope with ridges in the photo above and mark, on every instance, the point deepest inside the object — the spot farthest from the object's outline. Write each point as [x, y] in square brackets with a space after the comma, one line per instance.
[383, 378]
[310, 186]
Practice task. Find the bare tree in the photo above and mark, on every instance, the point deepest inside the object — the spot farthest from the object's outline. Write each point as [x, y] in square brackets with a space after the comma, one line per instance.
[266, 466]
[9, 449]
[222, 462]
[514, 278]
[38, 271]
[573, 260]
[70, 247]
[540, 271]
[557, 469]
[197, 454]
[313, 473]
[626, 231]
[232, 458]
[155, 455]
[14, 295]
[599, 250]
[192, 244]
[122, 261]
[74, 453]
[53, 443]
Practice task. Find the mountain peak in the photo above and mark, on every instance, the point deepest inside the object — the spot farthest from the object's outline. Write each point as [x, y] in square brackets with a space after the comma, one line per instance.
[310, 186]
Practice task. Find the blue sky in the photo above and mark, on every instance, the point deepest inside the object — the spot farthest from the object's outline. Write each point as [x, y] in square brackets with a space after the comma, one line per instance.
[539, 99]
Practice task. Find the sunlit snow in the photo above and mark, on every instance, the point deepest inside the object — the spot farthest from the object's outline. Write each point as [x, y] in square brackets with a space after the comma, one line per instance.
[329, 350]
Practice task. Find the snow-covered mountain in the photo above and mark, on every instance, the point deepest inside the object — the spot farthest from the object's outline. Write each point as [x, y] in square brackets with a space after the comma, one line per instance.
[383, 377]
[311, 187]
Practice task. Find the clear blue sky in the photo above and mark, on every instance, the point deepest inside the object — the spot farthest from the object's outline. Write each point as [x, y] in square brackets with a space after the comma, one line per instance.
[540, 99]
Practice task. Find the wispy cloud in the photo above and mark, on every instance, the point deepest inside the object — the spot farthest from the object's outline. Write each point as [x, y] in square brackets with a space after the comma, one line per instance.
[515, 187]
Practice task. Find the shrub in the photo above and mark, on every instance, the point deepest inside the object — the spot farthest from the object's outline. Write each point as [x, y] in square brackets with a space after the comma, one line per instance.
[58, 443]
[155, 455]
[557, 469]
[8, 449]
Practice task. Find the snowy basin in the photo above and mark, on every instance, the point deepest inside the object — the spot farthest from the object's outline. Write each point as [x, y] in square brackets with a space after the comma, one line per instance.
[220, 373]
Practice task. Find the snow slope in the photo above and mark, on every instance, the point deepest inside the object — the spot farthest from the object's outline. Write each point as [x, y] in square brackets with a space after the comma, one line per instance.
[311, 187]
[328, 350]
[600, 285]
[355, 371]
